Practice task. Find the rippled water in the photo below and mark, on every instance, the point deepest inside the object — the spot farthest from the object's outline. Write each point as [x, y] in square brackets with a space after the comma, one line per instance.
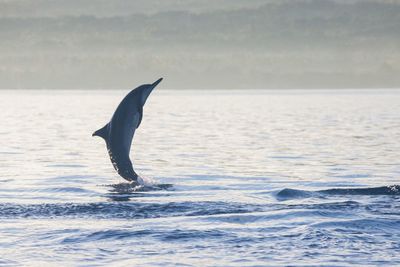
[258, 178]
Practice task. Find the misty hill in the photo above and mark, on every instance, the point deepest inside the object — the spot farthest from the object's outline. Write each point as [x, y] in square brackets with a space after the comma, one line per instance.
[268, 44]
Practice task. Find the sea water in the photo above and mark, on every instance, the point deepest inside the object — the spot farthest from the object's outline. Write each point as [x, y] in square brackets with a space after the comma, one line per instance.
[248, 178]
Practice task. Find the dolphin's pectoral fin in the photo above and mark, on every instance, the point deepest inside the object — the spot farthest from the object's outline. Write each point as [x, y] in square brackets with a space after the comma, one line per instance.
[140, 117]
[103, 132]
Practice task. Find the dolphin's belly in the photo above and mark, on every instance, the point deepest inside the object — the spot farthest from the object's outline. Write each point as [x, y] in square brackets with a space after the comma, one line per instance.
[119, 145]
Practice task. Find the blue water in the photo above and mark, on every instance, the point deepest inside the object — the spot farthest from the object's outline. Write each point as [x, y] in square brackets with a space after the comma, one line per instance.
[234, 178]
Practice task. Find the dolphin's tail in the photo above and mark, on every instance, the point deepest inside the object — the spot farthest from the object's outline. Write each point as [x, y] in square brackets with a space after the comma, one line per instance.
[130, 176]
[124, 168]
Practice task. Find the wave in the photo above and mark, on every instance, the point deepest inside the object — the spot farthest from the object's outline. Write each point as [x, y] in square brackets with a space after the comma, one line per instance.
[383, 190]
[126, 210]
[163, 235]
[384, 225]
[287, 193]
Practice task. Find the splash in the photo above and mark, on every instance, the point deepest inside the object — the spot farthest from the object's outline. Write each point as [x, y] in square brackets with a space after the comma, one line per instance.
[146, 181]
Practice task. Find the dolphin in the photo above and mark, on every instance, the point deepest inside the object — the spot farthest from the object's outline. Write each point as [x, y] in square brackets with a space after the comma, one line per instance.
[118, 133]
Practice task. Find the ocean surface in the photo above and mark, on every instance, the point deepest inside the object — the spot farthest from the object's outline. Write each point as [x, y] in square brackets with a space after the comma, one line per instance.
[241, 178]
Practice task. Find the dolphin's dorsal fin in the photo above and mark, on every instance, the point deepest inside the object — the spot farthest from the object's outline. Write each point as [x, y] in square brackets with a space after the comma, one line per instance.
[103, 132]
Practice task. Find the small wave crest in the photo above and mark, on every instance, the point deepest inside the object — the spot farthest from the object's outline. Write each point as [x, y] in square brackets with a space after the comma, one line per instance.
[288, 193]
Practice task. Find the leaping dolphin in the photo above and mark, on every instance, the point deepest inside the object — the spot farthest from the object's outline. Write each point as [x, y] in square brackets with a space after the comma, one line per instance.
[118, 133]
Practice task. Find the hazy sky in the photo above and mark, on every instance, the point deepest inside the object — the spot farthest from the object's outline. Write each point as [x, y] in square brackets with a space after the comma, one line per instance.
[199, 44]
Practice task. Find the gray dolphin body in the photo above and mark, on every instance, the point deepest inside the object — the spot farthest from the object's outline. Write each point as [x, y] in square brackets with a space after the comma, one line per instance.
[118, 133]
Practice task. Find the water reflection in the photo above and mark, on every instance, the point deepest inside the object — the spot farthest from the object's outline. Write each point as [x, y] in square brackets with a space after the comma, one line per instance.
[127, 191]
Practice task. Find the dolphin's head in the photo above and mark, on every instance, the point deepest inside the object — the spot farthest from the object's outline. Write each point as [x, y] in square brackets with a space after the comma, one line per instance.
[145, 90]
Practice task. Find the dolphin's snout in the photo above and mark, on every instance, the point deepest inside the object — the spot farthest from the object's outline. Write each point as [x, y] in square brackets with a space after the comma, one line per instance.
[157, 82]
[147, 89]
